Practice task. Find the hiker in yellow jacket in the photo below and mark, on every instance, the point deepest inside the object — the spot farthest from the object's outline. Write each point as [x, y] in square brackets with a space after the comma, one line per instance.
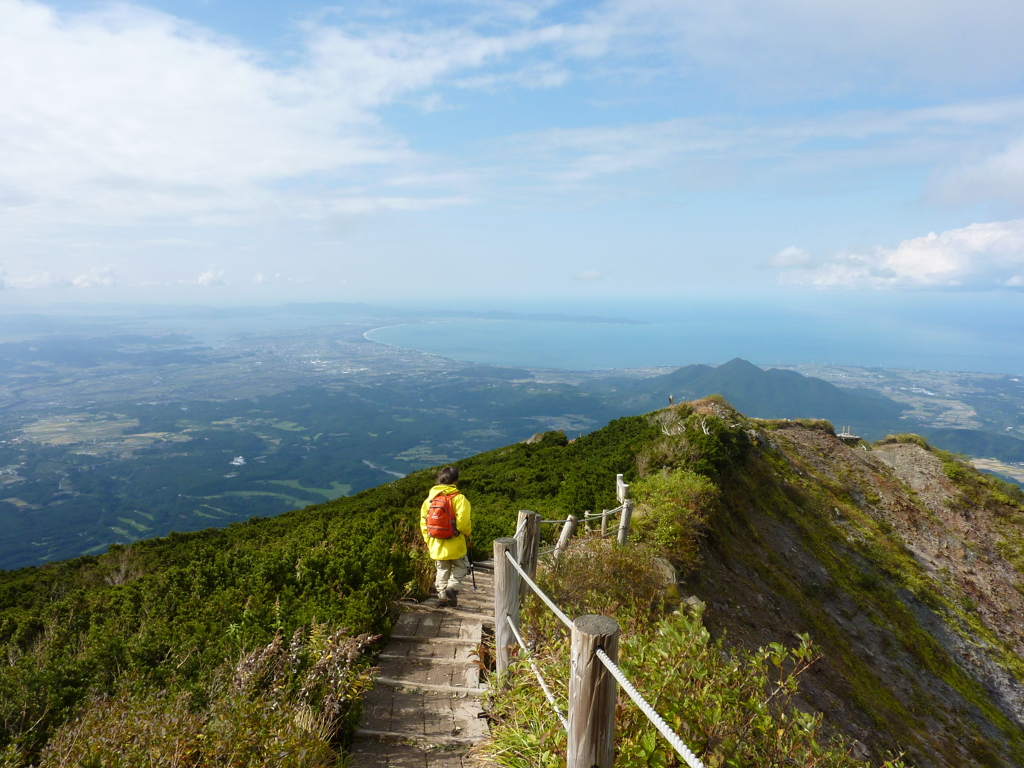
[450, 555]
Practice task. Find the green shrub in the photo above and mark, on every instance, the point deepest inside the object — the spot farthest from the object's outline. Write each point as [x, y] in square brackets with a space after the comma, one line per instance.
[602, 577]
[287, 704]
[673, 509]
[731, 708]
[904, 438]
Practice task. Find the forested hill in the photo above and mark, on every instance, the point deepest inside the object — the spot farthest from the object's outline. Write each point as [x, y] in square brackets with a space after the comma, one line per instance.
[777, 394]
[248, 645]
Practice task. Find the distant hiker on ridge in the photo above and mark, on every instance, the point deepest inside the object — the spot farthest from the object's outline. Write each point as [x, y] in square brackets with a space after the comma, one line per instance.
[445, 523]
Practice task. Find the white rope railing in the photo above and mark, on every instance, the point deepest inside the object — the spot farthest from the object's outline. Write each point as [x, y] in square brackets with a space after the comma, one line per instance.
[671, 736]
[609, 512]
[537, 591]
[579, 543]
[677, 743]
[536, 671]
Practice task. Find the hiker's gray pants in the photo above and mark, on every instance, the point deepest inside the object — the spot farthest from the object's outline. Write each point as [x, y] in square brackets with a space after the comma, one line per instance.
[450, 574]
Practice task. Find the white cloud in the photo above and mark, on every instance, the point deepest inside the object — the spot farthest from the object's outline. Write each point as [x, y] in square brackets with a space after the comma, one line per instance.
[37, 280]
[782, 149]
[790, 257]
[211, 276]
[128, 115]
[998, 176]
[98, 277]
[985, 255]
[588, 274]
[795, 47]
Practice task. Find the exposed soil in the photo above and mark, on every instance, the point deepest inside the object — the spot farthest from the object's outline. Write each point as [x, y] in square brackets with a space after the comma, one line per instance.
[766, 578]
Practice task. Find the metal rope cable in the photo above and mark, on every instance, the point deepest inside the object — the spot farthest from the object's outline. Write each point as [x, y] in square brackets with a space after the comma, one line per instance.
[536, 671]
[547, 600]
[544, 522]
[659, 723]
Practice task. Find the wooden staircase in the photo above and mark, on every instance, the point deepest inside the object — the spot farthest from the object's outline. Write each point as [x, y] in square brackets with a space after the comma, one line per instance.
[424, 710]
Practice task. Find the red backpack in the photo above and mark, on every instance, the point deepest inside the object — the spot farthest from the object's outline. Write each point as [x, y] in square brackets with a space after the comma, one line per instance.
[441, 516]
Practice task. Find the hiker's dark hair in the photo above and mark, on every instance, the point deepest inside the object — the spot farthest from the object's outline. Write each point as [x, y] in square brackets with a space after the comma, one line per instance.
[448, 476]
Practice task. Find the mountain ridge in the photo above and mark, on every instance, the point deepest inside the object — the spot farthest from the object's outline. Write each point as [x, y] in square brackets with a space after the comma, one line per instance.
[901, 564]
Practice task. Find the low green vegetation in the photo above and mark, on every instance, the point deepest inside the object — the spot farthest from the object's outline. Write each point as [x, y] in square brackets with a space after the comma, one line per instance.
[732, 707]
[249, 645]
[167, 626]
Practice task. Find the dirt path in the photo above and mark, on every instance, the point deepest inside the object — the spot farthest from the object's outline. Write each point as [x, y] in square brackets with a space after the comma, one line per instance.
[424, 710]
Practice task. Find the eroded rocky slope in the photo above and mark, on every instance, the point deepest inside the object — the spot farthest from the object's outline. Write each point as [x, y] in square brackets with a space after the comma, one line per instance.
[905, 567]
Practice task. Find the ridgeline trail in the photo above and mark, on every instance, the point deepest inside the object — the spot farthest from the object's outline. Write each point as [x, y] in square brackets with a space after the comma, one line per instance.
[424, 710]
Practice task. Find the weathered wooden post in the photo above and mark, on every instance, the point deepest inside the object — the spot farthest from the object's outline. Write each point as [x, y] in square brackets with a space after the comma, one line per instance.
[528, 542]
[563, 538]
[592, 693]
[620, 488]
[604, 523]
[506, 601]
[624, 520]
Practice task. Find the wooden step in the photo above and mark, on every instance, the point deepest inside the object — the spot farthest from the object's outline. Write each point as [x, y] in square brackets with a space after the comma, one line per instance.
[435, 640]
[455, 689]
[419, 738]
[484, 618]
[429, 660]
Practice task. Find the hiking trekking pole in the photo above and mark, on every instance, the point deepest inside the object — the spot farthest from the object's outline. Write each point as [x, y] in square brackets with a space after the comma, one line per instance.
[469, 556]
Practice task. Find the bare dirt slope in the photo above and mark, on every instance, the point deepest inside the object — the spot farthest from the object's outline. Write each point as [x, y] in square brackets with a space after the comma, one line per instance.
[905, 568]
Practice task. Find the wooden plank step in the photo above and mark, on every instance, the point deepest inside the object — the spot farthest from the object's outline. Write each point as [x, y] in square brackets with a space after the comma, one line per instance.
[430, 687]
[430, 660]
[455, 741]
[435, 640]
[483, 618]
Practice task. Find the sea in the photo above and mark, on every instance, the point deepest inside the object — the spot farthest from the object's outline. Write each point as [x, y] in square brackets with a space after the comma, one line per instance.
[967, 332]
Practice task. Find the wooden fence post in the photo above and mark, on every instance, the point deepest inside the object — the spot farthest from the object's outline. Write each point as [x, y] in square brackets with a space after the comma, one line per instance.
[592, 693]
[506, 601]
[528, 541]
[604, 523]
[624, 520]
[620, 487]
[567, 531]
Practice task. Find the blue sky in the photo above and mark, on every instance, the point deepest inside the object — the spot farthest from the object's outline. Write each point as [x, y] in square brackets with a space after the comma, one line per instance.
[229, 152]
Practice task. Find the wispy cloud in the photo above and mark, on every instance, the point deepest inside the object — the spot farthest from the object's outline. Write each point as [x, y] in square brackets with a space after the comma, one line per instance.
[131, 124]
[97, 277]
[211, 276]
[780, 150]
[791, 257]
[38, 280]
[127, 114]
[985, 255]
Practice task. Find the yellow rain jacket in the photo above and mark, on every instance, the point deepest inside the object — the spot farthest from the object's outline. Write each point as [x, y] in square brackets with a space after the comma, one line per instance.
[454, 548]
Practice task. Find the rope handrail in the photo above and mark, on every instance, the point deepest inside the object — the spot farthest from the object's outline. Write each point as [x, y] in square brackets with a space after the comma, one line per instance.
[580, 543]
[537, 591]
[677, 743]
[610, 512]
[657, 720]
[536, 671]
